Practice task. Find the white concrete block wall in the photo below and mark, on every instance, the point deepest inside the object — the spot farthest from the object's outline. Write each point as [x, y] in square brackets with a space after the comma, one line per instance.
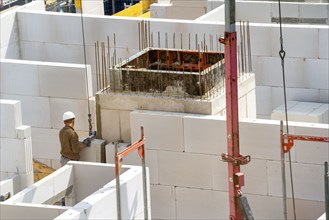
[323, 36]
[200, 170]
[35, 109]
[10, 38]
[11, 185]
[170, 126]
[205, 141]
[317, 73]
[30, 211]
[42, 105]
[201, 204]
[163, 202]
[185, 169]
[16, 144]
[15, 74]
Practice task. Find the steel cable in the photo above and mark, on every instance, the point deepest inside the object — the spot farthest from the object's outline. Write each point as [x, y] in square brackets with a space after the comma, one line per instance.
[86, 72]
[282, 55]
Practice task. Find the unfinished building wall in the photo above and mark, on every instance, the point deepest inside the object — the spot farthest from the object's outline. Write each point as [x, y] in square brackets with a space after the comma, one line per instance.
[306, 60]
[188, 180]
[46, 91]
[15, 149]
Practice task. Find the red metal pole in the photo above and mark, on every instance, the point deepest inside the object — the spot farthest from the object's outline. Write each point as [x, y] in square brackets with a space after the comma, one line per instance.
[232, 122]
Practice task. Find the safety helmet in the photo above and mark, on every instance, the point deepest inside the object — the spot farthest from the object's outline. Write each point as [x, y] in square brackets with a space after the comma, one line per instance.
[68, 115]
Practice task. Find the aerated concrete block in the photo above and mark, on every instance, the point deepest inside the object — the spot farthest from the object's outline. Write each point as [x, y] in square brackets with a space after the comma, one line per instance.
[205, 134]
[26, 180]
[287, 10]
[162, 130]
[11, 117]
[301, 94]
[16, 155]
[297, 41]
[306, 177]
[133, 158]
[219, 174]
[185, 169]
[242, 107]
[35, 110]
[264, 100]
[260, 40]
[201, 204]
[30, 211]
[313, 11]
[23, 132]
[110, 122]
[163, 202]
[305, 209]
[265, 207]
[251, 104]
[260, 139]
[19, 77]
[317, 73]
[125, 126]
[78, 106]
[323, 43]
[263, 14]
[93, 153]
[9, 22]
[312, 152]
[255, 177]
[56, 80]
[46, 143]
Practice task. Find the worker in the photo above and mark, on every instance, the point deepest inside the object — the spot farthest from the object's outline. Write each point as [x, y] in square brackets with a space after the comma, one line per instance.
[69, 139]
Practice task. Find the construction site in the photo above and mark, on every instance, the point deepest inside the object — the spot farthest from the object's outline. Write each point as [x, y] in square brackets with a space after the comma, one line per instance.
[205, 109]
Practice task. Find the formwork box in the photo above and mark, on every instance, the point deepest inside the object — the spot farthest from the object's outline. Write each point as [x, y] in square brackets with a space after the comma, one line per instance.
[19, 77]
[171, 72]
[11, 117]
[163, 199]
[201, 204]
[185, 169]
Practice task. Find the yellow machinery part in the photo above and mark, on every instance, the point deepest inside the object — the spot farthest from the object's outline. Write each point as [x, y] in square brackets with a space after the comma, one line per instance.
[136, 10]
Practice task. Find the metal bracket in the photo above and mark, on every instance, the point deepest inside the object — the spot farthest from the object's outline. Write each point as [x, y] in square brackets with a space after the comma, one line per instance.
[242, 160]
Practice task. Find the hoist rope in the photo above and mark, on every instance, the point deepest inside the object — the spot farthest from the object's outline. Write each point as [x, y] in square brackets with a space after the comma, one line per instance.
[282, 55]
[86, 71]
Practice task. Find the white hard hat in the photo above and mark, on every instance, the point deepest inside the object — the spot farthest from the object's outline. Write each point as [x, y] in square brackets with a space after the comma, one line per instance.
[68, 115]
